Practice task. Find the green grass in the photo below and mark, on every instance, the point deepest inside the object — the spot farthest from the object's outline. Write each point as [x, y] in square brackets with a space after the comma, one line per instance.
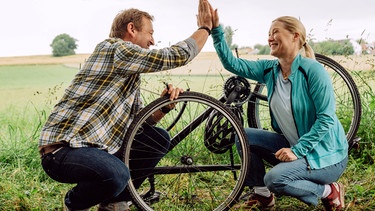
[27, 94]
[37, 84]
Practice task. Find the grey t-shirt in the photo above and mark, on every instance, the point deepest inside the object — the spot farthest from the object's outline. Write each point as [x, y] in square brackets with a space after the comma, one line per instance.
[282, 109]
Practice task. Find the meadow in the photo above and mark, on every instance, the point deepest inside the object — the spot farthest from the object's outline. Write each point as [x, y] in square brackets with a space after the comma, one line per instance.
[30, 86]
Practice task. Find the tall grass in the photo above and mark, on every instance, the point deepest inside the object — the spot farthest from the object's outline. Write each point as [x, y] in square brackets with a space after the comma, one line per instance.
[365, 81]
[25, 186]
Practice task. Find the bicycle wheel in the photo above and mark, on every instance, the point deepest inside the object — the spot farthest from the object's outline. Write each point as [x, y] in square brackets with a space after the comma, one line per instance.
[348, 100]
[194, 173]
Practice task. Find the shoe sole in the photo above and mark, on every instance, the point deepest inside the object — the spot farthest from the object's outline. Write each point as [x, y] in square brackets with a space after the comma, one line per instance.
[342, 195]
[245, 206]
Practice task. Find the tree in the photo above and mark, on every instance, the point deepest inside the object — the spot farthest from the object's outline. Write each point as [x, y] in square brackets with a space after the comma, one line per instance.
[228, 35]
[63, 45]
[262, 49]
[333, 47]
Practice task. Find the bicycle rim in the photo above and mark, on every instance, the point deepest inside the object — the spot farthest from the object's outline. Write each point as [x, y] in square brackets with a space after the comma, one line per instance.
[348, 102]
[190, 176]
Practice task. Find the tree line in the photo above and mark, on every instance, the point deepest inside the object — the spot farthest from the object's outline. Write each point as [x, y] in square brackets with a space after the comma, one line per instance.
[327, 47]
[64, 45]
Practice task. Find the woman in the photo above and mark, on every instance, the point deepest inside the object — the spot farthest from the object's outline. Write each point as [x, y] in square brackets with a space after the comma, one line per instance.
[308, 150]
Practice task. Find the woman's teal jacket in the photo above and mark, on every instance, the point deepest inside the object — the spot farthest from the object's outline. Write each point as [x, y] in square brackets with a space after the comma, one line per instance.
[322, 140]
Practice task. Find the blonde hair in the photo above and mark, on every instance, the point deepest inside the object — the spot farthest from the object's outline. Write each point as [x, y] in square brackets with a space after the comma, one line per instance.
[294, 25]
[123, 18]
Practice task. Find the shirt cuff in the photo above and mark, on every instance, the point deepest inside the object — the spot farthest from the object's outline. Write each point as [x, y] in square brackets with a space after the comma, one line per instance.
[193, 48]
[217, 31]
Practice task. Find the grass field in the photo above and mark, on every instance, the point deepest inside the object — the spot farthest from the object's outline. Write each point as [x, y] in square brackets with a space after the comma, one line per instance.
[30, 86]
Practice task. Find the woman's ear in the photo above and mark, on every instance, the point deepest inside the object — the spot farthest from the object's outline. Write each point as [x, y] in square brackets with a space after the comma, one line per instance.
[296, 36]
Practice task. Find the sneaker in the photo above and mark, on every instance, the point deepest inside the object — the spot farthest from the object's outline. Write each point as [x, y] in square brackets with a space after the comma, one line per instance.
[258, 201]
[116, 206]
[335, 200]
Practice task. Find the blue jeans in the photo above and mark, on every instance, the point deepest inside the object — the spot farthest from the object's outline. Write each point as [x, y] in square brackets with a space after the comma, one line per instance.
[287, 178]
[100, 176]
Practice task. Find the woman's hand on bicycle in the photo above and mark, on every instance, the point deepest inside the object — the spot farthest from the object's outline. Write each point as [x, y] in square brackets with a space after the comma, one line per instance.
[285, 155]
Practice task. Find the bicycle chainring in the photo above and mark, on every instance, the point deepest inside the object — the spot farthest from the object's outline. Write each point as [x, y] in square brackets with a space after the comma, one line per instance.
[237, 90]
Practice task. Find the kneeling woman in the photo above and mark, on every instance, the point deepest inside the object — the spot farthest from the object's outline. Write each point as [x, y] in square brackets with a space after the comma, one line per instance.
[309, 149]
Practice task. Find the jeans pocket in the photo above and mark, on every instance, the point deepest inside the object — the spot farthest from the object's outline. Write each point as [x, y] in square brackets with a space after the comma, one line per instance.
[51, 166]
[47, 162]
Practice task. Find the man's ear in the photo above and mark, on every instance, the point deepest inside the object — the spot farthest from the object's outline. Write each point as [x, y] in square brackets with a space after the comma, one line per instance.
[130, 29]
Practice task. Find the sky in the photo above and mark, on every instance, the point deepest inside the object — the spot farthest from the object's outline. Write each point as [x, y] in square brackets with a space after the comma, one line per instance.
[29, 26]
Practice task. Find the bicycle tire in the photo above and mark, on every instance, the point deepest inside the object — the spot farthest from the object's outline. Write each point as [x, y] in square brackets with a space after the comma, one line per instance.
[348, 102]
[210, 181]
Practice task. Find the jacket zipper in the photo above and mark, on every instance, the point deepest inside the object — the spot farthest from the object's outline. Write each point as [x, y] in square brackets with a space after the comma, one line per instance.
[308, 165]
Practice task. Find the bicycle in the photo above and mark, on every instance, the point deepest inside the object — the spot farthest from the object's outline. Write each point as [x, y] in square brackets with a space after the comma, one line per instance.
[206, 166]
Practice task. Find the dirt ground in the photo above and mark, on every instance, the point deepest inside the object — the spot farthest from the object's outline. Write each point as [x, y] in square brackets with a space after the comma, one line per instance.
[204, 63]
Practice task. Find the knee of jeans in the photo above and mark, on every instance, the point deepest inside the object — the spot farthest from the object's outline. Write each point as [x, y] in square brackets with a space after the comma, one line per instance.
[274, 182]
[163, 141]
[118, 181]
[163, 132]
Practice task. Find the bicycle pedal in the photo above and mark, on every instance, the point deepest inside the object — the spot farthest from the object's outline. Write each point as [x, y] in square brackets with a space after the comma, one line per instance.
[155, 197]
[245, 196]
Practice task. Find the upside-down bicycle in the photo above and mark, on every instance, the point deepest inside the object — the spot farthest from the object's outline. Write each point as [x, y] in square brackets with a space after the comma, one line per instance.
[205, 167]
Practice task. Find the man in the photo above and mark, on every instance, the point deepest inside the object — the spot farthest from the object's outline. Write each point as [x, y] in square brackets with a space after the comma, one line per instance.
[81, 140]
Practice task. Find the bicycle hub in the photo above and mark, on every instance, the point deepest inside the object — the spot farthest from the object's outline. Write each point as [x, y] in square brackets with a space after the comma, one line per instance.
[187, 160]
